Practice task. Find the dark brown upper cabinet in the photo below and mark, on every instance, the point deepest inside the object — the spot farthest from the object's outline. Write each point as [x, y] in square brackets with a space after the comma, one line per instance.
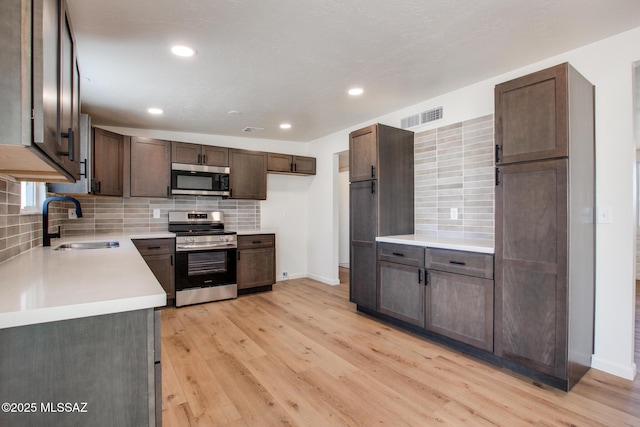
[40, 92]
[247, 174]
[108, 163]
[531, 116]
[150, 167]
[197, 154]
[291, 165]
[363, 157]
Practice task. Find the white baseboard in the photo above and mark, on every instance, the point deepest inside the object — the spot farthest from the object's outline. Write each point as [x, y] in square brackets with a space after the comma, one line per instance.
[332, 282]
[628, 372]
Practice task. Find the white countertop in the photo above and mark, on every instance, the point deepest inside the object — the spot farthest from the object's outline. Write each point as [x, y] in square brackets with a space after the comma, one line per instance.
[43, 285]
[482, 246]
[257, 231]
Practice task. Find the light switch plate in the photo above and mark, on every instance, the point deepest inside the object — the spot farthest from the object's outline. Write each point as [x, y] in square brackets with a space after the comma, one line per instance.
[454, 213]
[156, 213]
[72, 213]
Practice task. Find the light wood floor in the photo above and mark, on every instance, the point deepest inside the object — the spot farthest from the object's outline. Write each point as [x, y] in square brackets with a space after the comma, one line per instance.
[302, 356]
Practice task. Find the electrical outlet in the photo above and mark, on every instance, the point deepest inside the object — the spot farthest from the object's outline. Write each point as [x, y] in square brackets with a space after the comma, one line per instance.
[605, 215]
[156, 213]
[72, 213]
[454, 213]
[285, 275]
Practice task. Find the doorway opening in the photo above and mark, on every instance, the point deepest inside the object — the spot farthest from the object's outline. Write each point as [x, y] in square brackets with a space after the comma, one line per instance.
[343, 216]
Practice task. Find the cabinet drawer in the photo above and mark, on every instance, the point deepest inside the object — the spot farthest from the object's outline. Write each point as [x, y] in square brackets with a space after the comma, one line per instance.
[468, 263]
[401, 254]
[155, 246]
[256, 241]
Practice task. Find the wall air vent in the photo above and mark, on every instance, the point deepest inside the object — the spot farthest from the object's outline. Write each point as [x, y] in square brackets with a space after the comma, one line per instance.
[409, 122]
[422, 118]
[252, 129]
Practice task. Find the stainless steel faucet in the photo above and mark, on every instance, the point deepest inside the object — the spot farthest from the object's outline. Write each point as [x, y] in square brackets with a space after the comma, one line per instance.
[46, 236]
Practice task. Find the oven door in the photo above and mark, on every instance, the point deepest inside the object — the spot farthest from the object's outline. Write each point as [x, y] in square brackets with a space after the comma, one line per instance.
[205, 268]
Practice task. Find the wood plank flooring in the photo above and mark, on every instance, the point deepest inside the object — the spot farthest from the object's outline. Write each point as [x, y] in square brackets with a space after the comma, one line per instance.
[302, 356]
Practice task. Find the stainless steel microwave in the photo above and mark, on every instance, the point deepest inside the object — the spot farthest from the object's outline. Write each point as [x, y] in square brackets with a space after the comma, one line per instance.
[199, 180]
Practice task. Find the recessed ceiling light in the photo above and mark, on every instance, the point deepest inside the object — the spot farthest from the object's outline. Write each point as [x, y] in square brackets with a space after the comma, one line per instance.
[356, 91]
[285, 126]
[155, 110]
[234, 113]
[184, 51]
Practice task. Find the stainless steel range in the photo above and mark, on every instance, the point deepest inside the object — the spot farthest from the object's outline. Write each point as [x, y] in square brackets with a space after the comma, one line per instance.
[205, 257]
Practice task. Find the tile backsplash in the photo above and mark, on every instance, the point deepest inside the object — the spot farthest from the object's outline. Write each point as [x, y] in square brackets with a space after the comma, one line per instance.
[135, 215]
[454, 170]
[18, 233]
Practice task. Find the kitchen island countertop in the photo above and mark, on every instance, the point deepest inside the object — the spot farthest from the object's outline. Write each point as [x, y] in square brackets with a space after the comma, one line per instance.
[470, 245]
[44, 285]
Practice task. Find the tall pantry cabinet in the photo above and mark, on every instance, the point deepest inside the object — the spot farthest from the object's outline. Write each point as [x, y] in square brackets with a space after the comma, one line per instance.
[380, 200]
[545, 232]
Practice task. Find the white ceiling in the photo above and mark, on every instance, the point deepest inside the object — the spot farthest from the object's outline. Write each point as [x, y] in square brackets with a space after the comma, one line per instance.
[293, 60]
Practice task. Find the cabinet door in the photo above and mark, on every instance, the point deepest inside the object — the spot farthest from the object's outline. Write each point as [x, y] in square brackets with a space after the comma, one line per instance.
[304, 165]
[215, 156]
[68, 111]
[256, 267]
[363, 159]
[150, 167]
[401, 292]
[531, 265]
[163, 268]
[248, 174]
[45, 68]
[279, 162]
[108, 159]
[531, 116]
[362, 274]
[363, 208]
[183, 152]
[460, 307]
[362, 229]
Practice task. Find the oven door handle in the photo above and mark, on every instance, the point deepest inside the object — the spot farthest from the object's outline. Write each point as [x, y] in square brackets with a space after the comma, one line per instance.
[196, 247]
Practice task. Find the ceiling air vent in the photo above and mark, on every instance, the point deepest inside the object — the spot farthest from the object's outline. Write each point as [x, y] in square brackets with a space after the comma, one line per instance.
[252, 129]
[422, 118]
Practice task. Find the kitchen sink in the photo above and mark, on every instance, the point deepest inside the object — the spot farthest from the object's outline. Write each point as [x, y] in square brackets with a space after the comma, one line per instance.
[87, 245]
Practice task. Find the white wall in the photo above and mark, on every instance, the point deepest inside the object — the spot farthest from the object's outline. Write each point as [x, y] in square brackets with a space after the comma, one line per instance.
[608, 65]
[285, 212]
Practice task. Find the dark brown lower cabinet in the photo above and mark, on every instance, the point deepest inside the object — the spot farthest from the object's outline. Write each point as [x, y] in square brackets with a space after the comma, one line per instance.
[401, 292]
[459, 297]
[531, 265]
[401, 284]
[105, 367]
[256, 263]
[363, 225]
[159, 254]
[460, 307]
